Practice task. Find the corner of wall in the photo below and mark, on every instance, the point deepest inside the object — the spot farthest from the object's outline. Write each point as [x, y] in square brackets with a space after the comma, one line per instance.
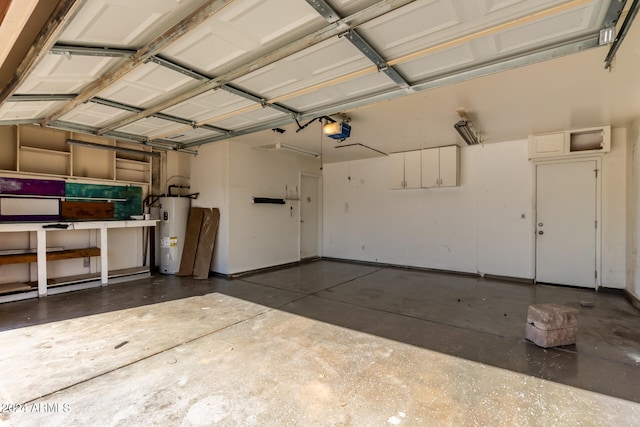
[209, 172]
[633, 209]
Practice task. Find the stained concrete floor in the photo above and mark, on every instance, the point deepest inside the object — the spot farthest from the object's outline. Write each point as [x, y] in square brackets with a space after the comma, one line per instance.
[324, 343]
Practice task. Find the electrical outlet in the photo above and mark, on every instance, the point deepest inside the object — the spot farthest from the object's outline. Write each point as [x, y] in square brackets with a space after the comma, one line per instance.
[87, 262]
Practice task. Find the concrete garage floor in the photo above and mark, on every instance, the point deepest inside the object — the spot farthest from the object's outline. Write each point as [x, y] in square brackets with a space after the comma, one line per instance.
[324, 343]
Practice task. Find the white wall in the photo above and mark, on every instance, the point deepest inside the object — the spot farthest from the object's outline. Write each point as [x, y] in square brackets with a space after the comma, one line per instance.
[633, 209]
[178, 166]
[210, 178]
[614, 211]
[264, 235]
[227, 175]
[484, 226]
[477, 227]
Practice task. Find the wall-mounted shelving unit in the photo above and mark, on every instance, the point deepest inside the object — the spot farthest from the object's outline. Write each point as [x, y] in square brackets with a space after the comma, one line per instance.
[570, 143]
[29, 149]
[32, 153]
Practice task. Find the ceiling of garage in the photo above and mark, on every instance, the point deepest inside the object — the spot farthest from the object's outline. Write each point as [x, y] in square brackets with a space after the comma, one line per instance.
[181, 73]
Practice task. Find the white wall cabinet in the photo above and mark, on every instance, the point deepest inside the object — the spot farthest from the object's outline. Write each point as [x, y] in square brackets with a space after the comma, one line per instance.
[570, 143]
[440, 167]
[405, 170]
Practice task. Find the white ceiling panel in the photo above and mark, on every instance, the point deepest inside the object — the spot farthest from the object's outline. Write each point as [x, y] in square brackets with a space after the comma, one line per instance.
[345, 8]
[208, 105]
[148, 84]
[193, 134]
[60, 74]
[150, 126]
[334, 94]
[442, 61]
[26, 110]
[427, 23]
[323, 62]
[249, 119]
[421, 40]
[125, 23]
[92, 114]
[242, 31]
[572, 23]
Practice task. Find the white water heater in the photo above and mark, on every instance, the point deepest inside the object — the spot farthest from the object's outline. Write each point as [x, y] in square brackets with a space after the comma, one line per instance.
[174, 213]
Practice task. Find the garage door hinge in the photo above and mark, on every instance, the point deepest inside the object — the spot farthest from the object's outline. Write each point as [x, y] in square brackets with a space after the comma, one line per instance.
[596, 274]
[596, 223]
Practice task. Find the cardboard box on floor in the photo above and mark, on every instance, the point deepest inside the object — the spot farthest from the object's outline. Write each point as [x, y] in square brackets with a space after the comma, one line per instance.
[200, 238]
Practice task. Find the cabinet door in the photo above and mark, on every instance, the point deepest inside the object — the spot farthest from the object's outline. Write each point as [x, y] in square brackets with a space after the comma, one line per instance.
[412, 169]
[396, 171]
[550, 144]
[449, 166]
[430, 168]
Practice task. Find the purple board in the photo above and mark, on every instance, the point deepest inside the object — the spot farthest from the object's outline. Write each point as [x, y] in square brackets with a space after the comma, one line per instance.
[32, 187]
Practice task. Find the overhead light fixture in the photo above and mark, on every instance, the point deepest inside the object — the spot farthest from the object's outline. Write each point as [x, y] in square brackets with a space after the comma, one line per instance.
[112, 148]
[465, 129]
[292, 148]
[299, 150]
[337, 130]
[465, 132]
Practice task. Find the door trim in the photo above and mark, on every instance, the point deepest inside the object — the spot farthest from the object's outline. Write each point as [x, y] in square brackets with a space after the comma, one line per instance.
[320, 209]
[598, 260]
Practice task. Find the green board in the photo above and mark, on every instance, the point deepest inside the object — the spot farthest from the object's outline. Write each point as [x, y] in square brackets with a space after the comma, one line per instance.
[122, 209]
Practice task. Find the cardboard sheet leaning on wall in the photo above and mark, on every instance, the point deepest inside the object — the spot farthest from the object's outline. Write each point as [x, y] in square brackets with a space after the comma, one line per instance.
[200, 240]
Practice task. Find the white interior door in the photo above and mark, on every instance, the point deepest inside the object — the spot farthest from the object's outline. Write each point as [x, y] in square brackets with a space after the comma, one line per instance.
[309, 221]
[566, 223]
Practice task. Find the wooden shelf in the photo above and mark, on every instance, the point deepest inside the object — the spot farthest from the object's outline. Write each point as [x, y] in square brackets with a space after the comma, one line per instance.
[8, 288]
[83, 278]
[31, 150]
[133, 170]
[51, 256]
[133, 162]
[44, 150]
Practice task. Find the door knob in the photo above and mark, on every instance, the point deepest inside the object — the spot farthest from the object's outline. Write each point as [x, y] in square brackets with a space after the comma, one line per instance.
[540, 232]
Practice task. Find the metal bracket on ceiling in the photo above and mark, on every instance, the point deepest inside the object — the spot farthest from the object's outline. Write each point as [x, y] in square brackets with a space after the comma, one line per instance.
[608, 30]
[323, 8]
[613, 13]
[624, 29]
[162, 116]
[367, 50]
[246, 95]
[326, 11]
[40, 97]
[178, 68]
[114, 104]
[110, 52]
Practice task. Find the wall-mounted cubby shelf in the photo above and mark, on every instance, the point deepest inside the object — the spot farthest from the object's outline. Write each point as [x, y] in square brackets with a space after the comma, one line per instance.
[570, 143]
[32, 150]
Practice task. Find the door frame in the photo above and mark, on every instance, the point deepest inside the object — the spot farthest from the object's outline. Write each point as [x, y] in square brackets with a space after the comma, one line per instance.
[318, 179]
[598, 254]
